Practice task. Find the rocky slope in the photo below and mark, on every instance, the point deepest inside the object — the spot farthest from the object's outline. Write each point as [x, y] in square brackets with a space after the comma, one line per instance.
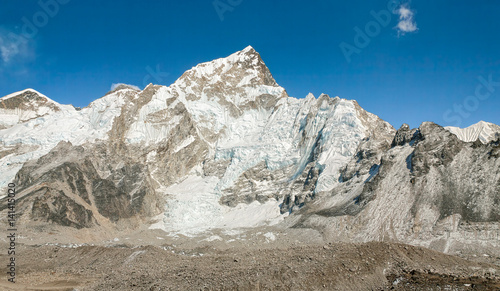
[226, 147]
[428, 188]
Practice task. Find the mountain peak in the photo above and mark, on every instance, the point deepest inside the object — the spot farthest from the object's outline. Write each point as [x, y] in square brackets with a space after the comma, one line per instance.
[25, 105]
[484, 131]
[248, 49]
[122, 86]
[27, 98]
[27, 92]
[240, 69]
[483, 123]
[247, 55]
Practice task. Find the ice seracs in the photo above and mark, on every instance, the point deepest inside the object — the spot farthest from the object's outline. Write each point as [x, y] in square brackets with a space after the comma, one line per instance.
[226, 147]
[243, 144]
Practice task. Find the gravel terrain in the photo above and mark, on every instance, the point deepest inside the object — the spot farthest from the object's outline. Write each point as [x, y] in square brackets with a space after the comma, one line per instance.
[330, 266]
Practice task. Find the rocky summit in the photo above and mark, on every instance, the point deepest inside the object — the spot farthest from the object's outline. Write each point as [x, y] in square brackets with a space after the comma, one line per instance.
[224, 148]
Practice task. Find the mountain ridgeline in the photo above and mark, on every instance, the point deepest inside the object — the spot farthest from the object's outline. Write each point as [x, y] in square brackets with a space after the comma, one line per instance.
[225, 147]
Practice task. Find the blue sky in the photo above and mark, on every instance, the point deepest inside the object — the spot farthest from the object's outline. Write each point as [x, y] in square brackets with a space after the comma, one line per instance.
[412, 62]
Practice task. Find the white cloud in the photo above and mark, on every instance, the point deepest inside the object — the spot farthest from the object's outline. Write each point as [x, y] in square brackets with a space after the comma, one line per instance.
[406, 20]
[13, 46]
[115, 85]
[8, 50]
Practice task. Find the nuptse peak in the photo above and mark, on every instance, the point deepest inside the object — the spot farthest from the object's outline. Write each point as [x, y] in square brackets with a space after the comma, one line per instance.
[224, 146]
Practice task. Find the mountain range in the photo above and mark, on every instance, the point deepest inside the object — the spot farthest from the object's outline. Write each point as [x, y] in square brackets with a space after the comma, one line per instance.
[225, 147]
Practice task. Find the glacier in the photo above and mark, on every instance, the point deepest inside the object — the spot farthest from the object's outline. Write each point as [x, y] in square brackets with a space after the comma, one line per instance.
[226, 147]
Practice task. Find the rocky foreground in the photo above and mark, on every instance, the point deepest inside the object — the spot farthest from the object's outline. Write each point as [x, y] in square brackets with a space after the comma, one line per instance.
[338, 266]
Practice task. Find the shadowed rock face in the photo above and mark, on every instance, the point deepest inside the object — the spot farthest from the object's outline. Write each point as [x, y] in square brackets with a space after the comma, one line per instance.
[64, 187]
[54, 206]
[404, 135]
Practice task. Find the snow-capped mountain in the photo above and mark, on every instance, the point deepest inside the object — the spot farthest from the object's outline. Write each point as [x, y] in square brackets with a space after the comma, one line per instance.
[224, 146]
[25, 105]
[33, 124]
[484, 131]
[207, 139]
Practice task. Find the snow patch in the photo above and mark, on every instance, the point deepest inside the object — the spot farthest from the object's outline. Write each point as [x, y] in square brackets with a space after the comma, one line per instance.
[269, 236]
[184, 143]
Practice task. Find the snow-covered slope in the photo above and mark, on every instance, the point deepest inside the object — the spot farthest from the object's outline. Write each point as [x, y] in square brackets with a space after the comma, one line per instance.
[25, 105]
[41, 124]
[206, 140]
[225, 147]
[484, 131]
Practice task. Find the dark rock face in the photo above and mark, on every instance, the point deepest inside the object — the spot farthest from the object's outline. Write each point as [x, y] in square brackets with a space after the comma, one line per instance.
[54, 206]
[110, 201]
[450, 174]
[301, 191]
[64, 187]
[405, 135]
[247, 189]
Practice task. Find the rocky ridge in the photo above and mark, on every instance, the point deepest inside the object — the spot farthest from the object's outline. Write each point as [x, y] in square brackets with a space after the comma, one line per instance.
[225, 147]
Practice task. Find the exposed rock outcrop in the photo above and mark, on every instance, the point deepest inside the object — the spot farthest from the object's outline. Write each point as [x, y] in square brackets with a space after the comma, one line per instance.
[226, 147]
[429, 188]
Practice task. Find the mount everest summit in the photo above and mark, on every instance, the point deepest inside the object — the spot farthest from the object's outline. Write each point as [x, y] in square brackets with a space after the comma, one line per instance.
[225, 147]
